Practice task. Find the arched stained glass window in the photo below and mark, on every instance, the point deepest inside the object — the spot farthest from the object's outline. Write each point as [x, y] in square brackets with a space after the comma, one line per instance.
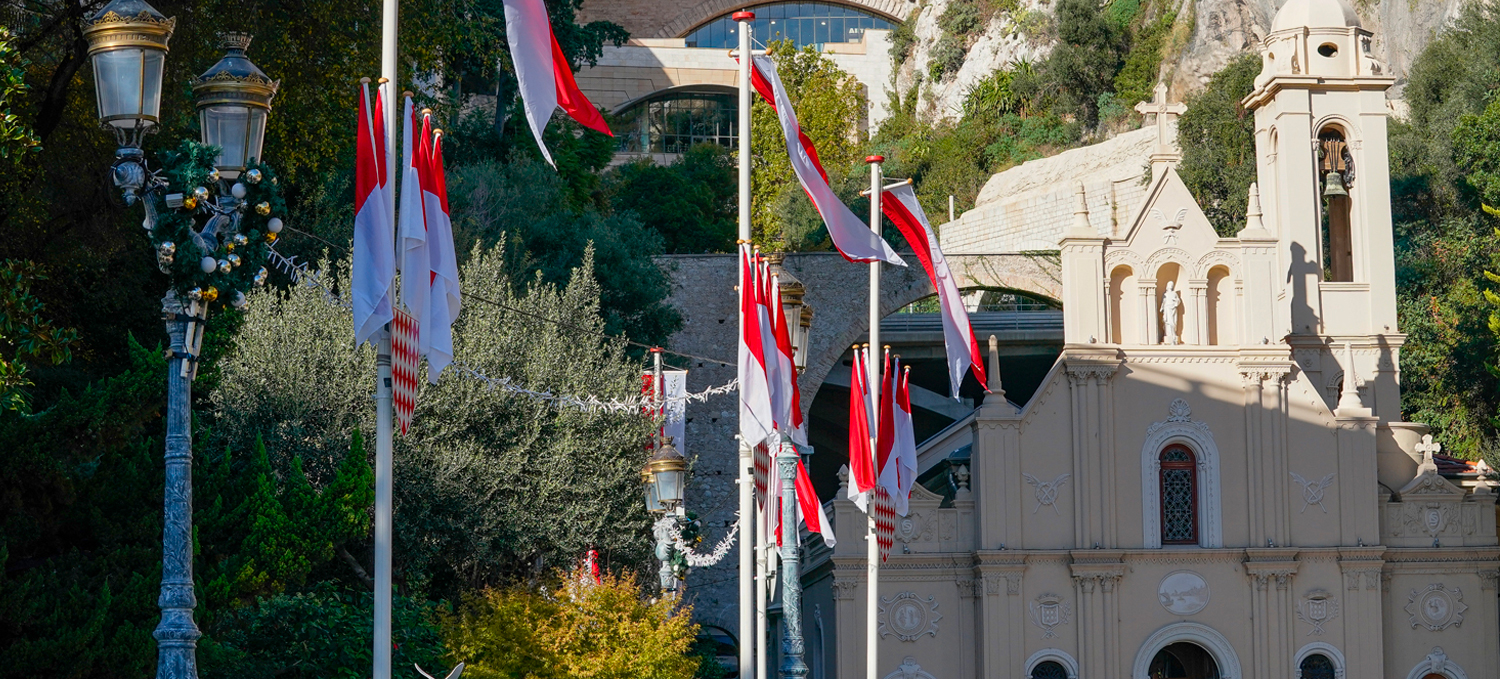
[673, 121]
[1179, 497]
[1049, 670]
[1316, 666]
[804, 23]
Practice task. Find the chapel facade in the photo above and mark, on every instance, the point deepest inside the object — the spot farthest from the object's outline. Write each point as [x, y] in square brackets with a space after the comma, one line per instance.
[1214, 481]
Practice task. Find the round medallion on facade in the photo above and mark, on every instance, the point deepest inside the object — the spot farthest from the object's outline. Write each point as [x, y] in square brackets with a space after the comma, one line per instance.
[1183, 592]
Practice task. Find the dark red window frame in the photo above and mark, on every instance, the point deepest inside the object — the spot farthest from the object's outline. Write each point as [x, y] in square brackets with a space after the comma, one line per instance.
[1191, 465]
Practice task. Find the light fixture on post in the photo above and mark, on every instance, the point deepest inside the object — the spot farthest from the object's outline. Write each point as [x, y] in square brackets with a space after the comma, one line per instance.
[128, 47]
[233, 98]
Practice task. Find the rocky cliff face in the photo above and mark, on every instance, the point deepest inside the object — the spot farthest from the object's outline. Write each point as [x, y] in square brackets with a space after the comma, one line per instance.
[1219, 30]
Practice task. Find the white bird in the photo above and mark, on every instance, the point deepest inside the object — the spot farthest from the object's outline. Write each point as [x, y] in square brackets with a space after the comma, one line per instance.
[451, 675]
[1170, 229]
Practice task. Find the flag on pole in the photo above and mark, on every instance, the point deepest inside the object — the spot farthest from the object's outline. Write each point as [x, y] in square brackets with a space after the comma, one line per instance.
[904, 447]
[790, 413]
[374, 261]
[853, 238]
[958, 336]
[810, 509]
[756, 421]
[404, 361]
[444, 301]
[416, 270]
[544, 76]
[862, 474]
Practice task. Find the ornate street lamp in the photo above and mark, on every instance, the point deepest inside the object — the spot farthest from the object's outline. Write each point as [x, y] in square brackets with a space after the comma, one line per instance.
[233, 98]
[209, 243]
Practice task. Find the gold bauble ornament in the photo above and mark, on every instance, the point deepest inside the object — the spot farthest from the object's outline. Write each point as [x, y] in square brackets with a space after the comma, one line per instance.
[189, 203]
[263, 208]
[211, 294]
[253, 176]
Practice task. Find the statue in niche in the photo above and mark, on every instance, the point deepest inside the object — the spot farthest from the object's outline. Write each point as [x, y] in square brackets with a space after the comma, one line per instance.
[1170, 301]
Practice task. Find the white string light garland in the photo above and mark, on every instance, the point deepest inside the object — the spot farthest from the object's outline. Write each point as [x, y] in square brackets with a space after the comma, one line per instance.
[303, 274]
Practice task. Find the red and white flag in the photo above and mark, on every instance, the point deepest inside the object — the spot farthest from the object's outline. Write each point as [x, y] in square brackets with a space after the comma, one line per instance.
[544, 75]
[404, 361]
[374, 259]
[853, 238]
[958, 336]
[416, 269]
[756, 420]
[444, 301]
[862, 472]
[904, 448]
[789, 405]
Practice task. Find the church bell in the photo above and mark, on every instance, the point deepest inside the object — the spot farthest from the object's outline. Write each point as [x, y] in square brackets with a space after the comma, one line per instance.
[1333, 185]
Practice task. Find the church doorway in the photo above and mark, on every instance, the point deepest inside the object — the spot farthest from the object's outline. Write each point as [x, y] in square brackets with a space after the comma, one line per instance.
[1183, 660]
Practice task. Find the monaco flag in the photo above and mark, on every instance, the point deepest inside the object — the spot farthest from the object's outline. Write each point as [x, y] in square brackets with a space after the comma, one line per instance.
[444, 300]
[374, 259]
[543, 73]
[862, 474]
[412, 258]
[756, 421]
[853, 238]
[958, 337]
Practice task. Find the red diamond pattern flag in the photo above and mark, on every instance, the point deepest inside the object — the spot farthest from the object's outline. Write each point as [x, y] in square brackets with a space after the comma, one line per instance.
[885, 521]
[404, 360]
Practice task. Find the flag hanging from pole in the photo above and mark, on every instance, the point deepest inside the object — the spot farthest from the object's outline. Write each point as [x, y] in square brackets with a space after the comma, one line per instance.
[373, 269]
[543, 74]
[444, 301]
[958, 336]
[852, 237]
[404, 362]
[416, 269]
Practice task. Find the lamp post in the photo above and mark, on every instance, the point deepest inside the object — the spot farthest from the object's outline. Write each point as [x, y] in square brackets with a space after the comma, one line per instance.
[665, 474]
[128, 47]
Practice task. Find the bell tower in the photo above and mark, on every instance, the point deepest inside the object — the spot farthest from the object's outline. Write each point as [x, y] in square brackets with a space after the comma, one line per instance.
[1323, 175]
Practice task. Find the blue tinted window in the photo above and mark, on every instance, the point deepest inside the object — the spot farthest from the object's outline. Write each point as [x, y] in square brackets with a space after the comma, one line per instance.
[804, 23]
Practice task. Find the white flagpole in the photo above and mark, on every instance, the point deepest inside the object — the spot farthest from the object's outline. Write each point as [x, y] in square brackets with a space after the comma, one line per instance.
[383, 463]
[748, 545]
[872, 592]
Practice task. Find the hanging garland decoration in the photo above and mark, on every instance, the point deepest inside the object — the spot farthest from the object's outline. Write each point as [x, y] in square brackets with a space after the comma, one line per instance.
[211, 236]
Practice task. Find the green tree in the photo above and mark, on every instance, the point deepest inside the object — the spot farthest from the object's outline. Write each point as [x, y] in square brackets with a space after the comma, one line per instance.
[490, 484]
[587, 630]
[1217, 138]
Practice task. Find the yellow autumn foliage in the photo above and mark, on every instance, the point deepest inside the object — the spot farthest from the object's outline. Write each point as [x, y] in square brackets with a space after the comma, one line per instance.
[578, 631]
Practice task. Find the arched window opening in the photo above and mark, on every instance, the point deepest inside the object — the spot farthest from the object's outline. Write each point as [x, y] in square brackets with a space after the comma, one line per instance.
[1179, 496]
[1220, 306]
[676, 120]
[804, 23]
[1123, 321]
[1336, 173]
[1049, 670]
[1316, 666]
[1183, 660]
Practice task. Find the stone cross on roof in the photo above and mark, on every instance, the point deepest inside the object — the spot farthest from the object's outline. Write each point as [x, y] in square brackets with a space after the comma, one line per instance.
[1166, 114]
[1427, 448]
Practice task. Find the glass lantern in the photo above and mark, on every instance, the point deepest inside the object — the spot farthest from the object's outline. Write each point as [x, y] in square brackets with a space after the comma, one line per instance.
[233, 99]
[668, 471]
[128, 46]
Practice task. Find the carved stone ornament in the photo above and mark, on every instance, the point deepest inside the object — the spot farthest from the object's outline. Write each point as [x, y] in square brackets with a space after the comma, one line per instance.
[1436, 608]
[909, 669]
[1049, 611]
[1316, 609]
[908, 617]
[1046, 491]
